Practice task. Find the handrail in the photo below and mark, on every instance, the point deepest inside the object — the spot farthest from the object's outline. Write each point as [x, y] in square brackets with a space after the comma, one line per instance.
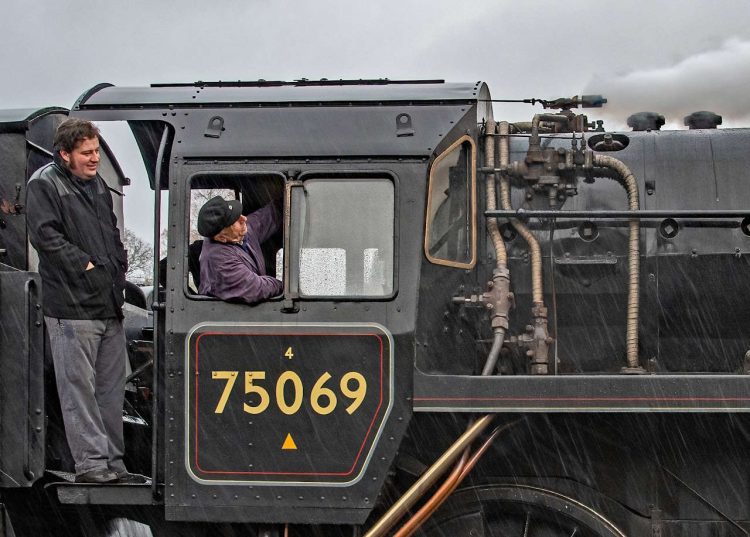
[29, 285]
[156, 308]
[615, 215]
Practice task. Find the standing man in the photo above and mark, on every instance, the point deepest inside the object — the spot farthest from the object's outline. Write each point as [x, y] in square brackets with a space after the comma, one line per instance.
[232, 264]
[82, 263]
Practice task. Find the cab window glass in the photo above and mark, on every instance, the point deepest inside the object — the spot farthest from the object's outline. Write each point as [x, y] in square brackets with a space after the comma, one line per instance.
[198, 198]
[254, 191]
[342, 237]
[450, 233]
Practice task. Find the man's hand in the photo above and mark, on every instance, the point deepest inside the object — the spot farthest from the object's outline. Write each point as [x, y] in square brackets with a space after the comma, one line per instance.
[89, 266]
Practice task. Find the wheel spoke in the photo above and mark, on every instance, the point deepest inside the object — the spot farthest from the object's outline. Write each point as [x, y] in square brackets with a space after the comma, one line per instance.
[526, 525]
[512, 509]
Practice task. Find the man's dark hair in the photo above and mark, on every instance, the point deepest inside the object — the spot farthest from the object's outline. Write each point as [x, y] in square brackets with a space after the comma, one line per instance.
[71, 132]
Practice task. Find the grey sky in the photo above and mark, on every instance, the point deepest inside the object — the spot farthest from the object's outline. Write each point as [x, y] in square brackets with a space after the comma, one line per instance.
[667, 56]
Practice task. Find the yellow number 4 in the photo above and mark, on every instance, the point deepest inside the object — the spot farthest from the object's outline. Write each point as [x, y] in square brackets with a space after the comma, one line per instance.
[289, 354]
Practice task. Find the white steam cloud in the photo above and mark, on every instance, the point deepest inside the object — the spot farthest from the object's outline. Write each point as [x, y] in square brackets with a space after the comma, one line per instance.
[717, 80]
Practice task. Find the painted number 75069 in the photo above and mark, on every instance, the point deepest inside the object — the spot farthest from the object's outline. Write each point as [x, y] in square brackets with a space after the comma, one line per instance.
[323, 400]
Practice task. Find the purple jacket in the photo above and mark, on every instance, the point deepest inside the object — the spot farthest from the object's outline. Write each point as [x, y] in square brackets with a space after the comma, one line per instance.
[238, 272]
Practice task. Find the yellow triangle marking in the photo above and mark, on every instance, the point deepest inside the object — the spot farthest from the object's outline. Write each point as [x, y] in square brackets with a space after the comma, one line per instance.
[289, 442]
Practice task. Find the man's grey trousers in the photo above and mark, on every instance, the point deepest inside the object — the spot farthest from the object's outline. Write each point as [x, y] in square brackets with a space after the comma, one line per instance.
[89, 358]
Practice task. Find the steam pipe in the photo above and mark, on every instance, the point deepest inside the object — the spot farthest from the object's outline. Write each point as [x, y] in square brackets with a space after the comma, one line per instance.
[537, 289]
[534, 143]
[433, 473]
[537, 334]
[522, 126]
[533, 126]
[501, 255]
[459, 473]
[448, 486]
[464, 466]
[497, 344]
[484, 447]
[550, 118]
[460, 470]
[631, 186]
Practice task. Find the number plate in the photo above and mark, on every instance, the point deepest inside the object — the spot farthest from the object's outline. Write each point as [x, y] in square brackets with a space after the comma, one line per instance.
[272, 404]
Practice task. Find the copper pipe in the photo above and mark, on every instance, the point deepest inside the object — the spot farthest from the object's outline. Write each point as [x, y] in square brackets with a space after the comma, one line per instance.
[631, 185]
[503, 129]
[550, 118]
[428, 479]
[481, 451]
[501, 255]
[430, 505]
[537, 288]
[450, 485]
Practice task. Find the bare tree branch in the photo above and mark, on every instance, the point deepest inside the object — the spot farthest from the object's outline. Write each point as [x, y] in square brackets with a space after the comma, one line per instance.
[140, 259]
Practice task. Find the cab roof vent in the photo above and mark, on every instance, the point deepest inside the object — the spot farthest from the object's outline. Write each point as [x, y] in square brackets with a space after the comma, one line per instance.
[646, 121]
[702, 120]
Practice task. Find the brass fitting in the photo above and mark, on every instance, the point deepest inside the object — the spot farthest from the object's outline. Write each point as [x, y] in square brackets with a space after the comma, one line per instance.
[497, 299]
[537, 341]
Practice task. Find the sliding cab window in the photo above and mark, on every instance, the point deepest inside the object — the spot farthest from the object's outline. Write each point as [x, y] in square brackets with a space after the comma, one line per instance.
[342, 237]
[450, 236]
[254, 191]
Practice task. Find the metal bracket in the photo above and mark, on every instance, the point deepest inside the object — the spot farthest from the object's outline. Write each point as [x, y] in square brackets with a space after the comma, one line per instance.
[582, 260]
[17, 205]
[289, 306]
[215, 127]
[404, 126]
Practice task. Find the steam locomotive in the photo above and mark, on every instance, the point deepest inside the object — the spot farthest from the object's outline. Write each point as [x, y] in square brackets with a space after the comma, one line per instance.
[487, 328]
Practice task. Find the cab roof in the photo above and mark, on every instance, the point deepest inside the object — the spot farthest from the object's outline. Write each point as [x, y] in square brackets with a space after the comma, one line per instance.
[300, 92]
[19, 119]
[288, 120]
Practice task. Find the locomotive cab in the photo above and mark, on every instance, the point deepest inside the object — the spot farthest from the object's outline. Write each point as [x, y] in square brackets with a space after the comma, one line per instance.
[300, 399]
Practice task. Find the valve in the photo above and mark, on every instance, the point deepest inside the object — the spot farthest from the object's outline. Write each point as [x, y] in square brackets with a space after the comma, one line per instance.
[537, 341]
[498, 299]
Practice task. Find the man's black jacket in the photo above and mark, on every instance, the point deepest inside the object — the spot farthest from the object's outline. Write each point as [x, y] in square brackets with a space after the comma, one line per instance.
[68, 229]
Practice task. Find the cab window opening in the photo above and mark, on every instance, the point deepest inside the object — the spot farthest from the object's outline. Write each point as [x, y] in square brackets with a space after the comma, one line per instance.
[253, 191]
[450, 235]
[342, 237]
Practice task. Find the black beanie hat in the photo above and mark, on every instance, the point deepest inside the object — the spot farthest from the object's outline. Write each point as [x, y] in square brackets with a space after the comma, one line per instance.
[216, 214]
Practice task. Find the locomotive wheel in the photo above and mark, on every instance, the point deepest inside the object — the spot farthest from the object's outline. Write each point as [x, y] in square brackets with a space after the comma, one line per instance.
[517, 511]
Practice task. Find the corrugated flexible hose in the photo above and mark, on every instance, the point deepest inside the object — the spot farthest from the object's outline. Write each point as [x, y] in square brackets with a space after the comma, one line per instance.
[631, 185]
